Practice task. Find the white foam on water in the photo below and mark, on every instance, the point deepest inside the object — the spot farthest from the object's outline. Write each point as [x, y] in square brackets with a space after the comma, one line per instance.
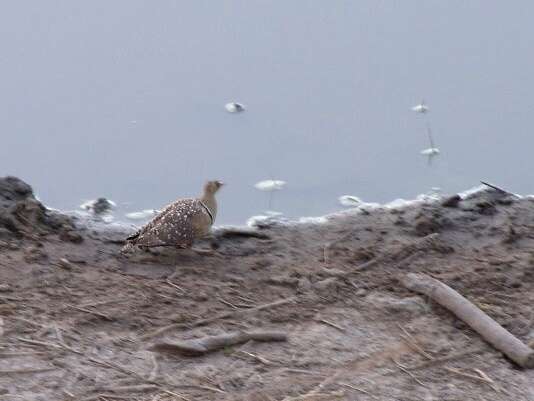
[313, 220]
[472, 191]
[142, 215]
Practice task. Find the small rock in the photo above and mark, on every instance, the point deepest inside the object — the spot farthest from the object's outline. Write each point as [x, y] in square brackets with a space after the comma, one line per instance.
[5, 288]
[486, 208]
[425, 225]
[65, 264]
[506, 201]
[400, 221]
[71, 236]
[76, 259]
[452, 201]
[14, 189]
[411, 305]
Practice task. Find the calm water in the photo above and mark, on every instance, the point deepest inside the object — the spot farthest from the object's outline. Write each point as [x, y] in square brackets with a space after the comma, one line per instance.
[125, 99]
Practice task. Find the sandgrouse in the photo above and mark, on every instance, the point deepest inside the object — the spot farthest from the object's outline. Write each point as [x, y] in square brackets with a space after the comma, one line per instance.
[180, 223]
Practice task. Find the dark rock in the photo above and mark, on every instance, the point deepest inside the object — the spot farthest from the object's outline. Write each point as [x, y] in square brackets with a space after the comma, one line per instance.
[102, 205]
[452, 201]
[14, 190]
[400, 221]
[425, 225]
[364, 254]
[21, 215]
[506, 201]
[486, 208]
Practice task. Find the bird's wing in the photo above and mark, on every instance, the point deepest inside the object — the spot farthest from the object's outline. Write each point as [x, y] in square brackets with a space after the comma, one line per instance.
[172, 227]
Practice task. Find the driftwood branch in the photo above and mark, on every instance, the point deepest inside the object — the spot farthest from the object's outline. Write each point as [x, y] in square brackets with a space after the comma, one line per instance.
[225, 315]
[488, 328]
[209, 344]
[495, 187]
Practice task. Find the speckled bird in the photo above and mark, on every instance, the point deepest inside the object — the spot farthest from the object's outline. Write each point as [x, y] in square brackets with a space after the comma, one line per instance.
[180, 223]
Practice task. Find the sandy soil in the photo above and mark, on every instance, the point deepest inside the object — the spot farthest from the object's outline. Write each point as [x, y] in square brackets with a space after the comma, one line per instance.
[78, 319]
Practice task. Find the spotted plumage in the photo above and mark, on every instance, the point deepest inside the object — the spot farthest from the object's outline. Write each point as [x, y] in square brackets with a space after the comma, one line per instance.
[181, 222]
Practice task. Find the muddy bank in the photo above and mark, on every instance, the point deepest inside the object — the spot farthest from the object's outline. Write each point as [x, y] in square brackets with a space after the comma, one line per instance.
[81, 322]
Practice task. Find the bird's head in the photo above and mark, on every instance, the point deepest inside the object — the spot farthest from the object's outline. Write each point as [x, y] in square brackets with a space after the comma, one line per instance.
[211, 187]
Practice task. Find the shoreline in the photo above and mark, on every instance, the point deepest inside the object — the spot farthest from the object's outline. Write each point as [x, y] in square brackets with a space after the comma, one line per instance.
[64, 285]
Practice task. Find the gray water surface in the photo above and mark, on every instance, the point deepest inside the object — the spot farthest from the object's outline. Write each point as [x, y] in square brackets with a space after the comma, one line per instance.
[125, 99]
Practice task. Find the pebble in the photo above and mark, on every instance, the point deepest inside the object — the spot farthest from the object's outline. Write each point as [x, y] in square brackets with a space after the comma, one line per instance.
[452, 201]
[65, 264]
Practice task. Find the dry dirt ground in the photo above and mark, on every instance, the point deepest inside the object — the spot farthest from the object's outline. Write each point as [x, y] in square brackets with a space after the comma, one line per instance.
[78, 319]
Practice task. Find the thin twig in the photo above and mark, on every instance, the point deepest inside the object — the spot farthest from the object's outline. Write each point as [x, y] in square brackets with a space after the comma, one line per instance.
[231, 305]
[109, 301]
[412, 342]
[22, 371]
[176, 395]
[225, 315]
[328, 323]
[448, 358]
[101, 315]
[257, 357]
[407, 372]
[154, 372]
[18, 354]
[59, 335]
[175, 286]
[304, 372]
[361, 390]
[478, 377]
